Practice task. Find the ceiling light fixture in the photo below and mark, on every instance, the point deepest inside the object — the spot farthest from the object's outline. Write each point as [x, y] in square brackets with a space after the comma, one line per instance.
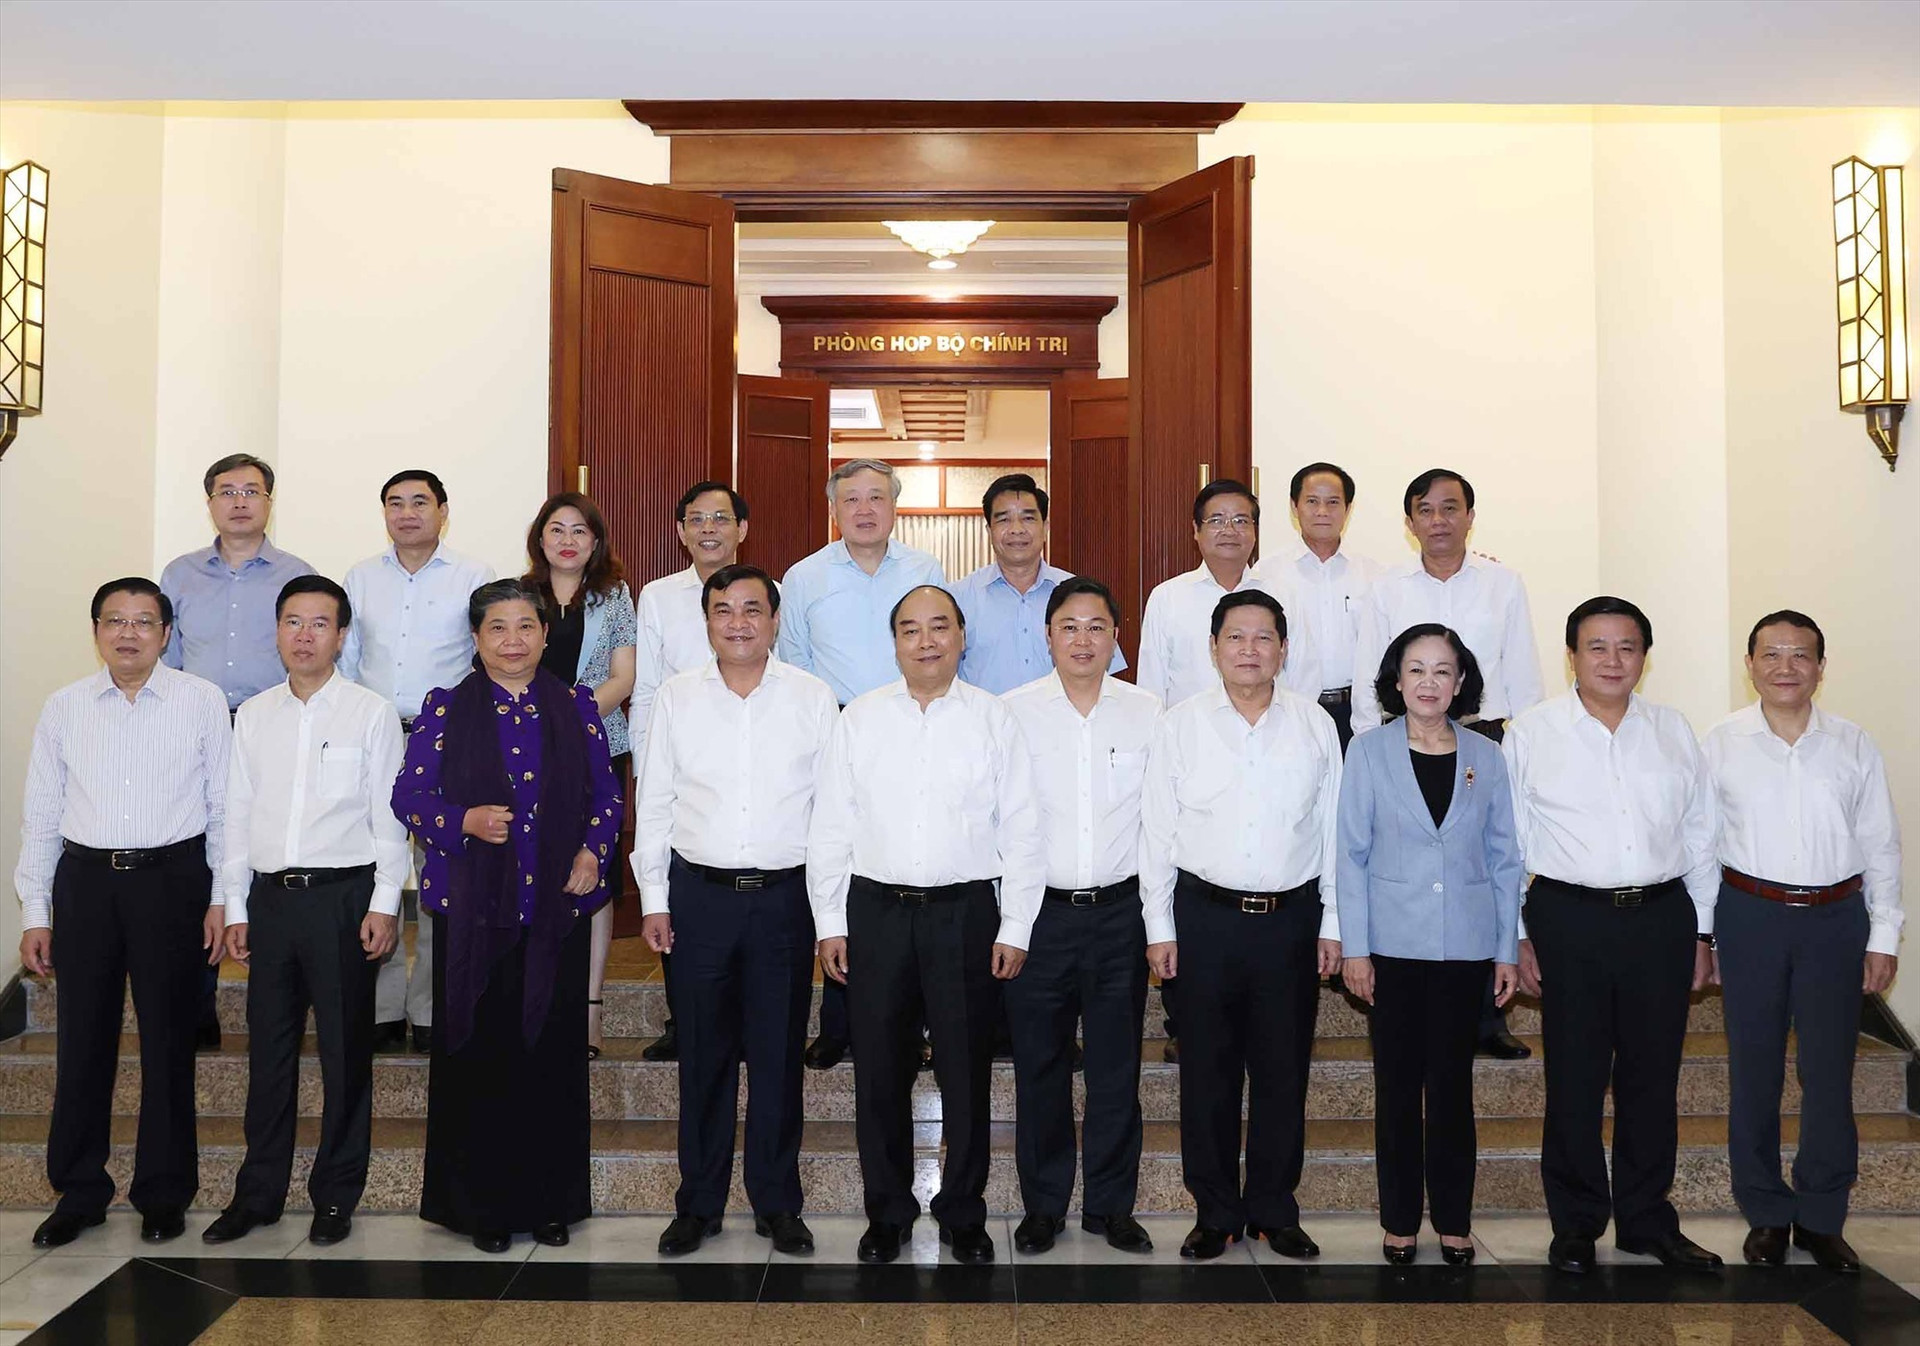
[941, 240]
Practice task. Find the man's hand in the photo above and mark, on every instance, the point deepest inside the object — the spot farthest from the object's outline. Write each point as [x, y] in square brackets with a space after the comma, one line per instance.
[833, 957]
[1329, 957]
[1007, 961]
[1529, 969]
[488, 823]
[1879, 972]
[1357, 974]
[585, 875]
[36, 951]
[213, 933]
[379, 934]
[1705, 970]
[1506, 980]
[657, 931]
[1164, 959]
[237, 943]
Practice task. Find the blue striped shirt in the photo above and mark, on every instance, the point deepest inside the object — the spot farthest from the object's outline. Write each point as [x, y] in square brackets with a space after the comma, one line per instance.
[223, 622]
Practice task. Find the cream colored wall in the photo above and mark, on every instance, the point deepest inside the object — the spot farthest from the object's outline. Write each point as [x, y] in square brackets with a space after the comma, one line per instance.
[76, 486]
[1816, 522]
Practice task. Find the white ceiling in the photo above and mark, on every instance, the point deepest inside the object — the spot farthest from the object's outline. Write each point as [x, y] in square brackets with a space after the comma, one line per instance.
[1700, 52]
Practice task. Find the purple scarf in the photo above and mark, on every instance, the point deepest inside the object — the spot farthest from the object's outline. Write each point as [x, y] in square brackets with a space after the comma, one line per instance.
[483, 920]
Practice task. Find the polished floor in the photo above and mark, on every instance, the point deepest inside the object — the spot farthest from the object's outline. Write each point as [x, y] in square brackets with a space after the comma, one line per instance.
[399, 1280]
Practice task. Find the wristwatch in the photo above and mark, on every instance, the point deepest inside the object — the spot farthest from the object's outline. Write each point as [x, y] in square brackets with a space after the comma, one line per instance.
[1708, 940]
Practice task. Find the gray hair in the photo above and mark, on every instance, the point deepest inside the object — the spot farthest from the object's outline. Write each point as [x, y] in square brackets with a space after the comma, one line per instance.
[845, 470]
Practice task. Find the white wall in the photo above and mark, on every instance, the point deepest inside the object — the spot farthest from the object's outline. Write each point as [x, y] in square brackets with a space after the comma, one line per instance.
[76, 486]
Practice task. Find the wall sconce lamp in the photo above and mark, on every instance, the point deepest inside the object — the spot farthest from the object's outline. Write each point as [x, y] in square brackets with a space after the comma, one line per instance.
[1870, 247]
[23, 277]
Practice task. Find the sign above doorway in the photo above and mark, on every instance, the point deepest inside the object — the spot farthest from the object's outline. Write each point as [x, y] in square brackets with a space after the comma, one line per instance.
[981, 340]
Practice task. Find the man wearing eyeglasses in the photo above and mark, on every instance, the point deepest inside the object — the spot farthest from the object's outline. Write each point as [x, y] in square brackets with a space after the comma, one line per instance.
[223, 599]
[123, 820]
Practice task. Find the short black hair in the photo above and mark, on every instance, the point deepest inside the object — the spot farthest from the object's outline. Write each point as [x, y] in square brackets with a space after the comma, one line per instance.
[1788, 617]
[1311, 469]
[1468, 689]
[315, 584]
[1608, 606]
[504, 591]
[1249, 598]
[727, 576]
[893, 617]
[416, 474]
[1213, 490]
[735, 500]
[1075, 588]
[1019, 483]
[1423, 483]
[233, 462]
[133, 584]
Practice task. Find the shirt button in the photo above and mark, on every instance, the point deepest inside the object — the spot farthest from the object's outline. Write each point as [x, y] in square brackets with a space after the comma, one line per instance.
[1439, 887]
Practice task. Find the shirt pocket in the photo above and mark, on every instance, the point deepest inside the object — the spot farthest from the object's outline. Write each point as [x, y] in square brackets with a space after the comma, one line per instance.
[340, 772]
[1126, 771]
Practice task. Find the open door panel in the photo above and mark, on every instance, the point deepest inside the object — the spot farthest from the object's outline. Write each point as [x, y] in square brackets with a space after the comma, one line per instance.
[1089, 529]
[782, 469]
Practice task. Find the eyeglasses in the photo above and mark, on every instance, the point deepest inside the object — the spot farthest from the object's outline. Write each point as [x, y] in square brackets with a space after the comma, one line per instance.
[237, 493]
[143, 625]
[319, 625]
[1220, 523]
[700, 519]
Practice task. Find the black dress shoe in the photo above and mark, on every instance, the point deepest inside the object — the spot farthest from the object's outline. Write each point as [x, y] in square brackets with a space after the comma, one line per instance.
[1204, 1244]
[1674, 1250]
[1121, 1231]
[423, 1039]
[789, 1233]
[1570, 1253]
[1291, 1241]
[490, 1241]
[1035, 1234]
[1504, 1046]
[234, 1223]
[1171, 1052]
[553, 1235]
[1399, 1255]
[208, 1037]
[1456, 1257]
[666, 1047]
[390, 1037]
[63, 1227]
[1766, 1246]
[824, 1053]
[158, 1226]
[331, 1224]
[1830, 1251]
[882, 1242]
[685, 1234]
[971, 1243]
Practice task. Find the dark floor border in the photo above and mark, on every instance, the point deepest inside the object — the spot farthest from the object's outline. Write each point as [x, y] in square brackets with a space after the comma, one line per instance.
[141, 1304]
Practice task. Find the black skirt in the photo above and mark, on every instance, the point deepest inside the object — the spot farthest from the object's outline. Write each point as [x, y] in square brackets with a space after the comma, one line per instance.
[509, 1131]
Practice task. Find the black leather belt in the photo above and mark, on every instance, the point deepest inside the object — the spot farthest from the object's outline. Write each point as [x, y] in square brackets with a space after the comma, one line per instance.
[299, 879]
[138, 858]
[742, 880]
[1253, 904]
[1618, 897]
[1093, 897]
[945, 892]
[406, 724]
[1337, 696]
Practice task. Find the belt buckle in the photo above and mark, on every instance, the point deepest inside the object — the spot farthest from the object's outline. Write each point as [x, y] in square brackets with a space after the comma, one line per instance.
[1629, 897]
[113, 860]
[918, 895]
[297, 882]
[749, 883]
[1792, 893]
[1083, 897]
[1257, 905]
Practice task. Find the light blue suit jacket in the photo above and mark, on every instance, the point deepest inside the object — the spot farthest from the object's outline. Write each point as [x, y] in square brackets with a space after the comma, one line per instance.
[1408, 889]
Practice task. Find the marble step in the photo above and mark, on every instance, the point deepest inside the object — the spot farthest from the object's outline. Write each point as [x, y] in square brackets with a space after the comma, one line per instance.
[624, 1087]
[634, 1167]
[638, 1009]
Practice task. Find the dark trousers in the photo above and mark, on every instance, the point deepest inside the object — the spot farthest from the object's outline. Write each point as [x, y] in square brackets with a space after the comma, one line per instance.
[1249, 990]
[912, 962]
[111, 927]
[746, 976]
[1424, 1026]
[1085, 964]
[1615, 983]
[306, 953]
[1787, 967]
[833, 1010]
[1342, 713]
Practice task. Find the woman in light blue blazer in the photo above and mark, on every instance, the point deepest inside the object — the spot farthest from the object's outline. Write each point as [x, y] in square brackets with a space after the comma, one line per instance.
[1428, 880]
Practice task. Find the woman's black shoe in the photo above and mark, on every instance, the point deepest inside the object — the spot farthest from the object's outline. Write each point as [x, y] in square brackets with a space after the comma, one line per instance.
[1399, 1256]
[553, 1235]
[488, 1242]
[1456, 1257]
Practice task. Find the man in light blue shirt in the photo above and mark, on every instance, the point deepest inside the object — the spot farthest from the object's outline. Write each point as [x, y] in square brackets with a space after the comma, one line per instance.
[1005, 601]
[835, 622]
[410, 635]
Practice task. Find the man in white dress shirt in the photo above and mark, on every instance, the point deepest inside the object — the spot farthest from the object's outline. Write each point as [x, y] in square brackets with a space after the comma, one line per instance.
[1807, 921]
[1089, 733]
[726, 795]
[409, 636]
[1236, 883]
[1487, 604]
[1614, 808]
[1327, 584]
[125, 804]
[314, 863]
[925, 799]
[711, 518]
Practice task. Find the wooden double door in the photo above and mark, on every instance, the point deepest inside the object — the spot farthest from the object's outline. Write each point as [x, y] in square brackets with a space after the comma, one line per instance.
[645, 395]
